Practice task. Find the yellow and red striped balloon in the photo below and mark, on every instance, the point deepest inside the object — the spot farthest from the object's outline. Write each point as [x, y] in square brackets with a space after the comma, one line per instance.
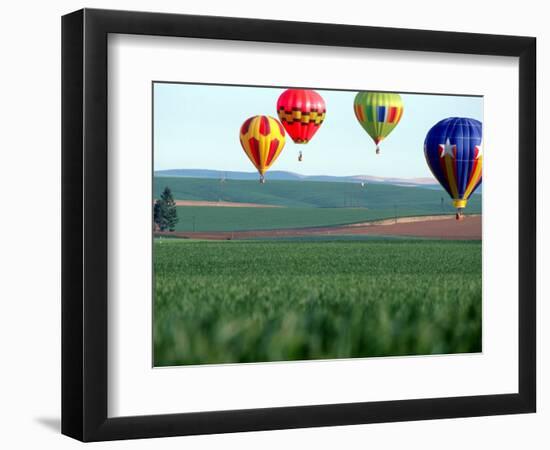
[262, 139]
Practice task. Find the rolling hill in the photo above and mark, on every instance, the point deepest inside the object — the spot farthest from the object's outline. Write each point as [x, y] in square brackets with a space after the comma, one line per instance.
[304, 203]
[316, 194]
[281, 175]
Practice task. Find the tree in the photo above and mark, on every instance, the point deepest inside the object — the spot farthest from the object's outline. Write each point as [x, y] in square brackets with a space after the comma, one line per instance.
[165, 214]
[157, 214]
[169, 209]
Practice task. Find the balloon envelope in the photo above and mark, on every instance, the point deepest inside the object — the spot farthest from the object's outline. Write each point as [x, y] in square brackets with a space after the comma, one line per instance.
[454, 154]
[378, 113]
[262, 139]
[301, 111]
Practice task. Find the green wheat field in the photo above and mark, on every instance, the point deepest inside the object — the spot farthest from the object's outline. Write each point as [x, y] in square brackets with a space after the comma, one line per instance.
[254, 301]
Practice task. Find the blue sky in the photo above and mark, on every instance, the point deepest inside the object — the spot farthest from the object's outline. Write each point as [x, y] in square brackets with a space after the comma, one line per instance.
[197, 127]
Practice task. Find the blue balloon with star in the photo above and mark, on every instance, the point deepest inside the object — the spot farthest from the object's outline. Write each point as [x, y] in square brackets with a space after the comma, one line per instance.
[454, 154]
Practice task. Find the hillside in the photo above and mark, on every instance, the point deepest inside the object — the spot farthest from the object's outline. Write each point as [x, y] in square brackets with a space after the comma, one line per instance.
[308, 194]
[281, 175]
[304, 203]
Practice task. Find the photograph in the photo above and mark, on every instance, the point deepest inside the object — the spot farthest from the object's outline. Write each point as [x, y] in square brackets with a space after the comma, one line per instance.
[295, 224]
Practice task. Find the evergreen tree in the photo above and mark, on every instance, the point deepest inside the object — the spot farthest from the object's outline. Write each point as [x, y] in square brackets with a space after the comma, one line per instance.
[165, 214]
[157, 213]
[169, 209]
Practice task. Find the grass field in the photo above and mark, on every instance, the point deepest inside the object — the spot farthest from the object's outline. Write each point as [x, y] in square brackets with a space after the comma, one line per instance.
[213, 218]
[307, 194]
[306, 203]
[248, 301]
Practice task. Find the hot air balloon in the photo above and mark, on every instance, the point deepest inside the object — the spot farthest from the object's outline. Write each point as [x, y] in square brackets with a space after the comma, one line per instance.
[454, 154]
[262, 139]
[378, 113]
[301, 112]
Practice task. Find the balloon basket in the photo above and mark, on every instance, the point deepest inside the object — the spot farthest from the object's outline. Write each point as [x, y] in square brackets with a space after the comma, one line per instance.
[262, 179]
[377, 150]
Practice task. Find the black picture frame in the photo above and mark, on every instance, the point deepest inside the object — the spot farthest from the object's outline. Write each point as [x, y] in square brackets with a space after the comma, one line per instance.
[84, 224]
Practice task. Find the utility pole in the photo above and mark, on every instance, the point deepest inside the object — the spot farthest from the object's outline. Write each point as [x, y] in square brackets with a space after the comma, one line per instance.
[222, 182]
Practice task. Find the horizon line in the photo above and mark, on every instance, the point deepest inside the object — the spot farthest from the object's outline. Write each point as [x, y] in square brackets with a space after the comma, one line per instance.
[300, 174]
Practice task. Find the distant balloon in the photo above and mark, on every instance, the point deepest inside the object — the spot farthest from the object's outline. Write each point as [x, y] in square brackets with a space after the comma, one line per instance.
[378, 113]
[301, 111]
[454, 154]
[262, 139]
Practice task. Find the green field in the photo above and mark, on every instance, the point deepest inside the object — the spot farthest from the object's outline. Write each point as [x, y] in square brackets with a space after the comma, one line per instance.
[308, 194]
[213, 218]
[306, 203]
[251, 301]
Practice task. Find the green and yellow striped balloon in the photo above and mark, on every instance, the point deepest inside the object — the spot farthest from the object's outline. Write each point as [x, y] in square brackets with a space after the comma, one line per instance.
[378, 113]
